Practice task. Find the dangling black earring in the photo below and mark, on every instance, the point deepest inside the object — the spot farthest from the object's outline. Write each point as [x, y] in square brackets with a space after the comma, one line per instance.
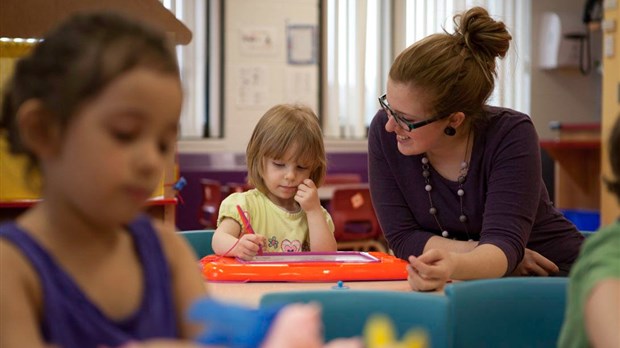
[450, 131]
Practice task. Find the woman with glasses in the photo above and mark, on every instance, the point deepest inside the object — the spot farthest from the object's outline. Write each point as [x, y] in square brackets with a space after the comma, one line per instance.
[457, 184]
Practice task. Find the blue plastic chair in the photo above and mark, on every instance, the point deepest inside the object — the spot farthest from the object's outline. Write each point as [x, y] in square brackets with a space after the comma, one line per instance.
[345, 312]
[507, 312]
[200, 241]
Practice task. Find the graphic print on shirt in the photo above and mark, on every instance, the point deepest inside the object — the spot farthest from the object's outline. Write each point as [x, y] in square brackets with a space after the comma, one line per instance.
[291, 246]
[273, 242]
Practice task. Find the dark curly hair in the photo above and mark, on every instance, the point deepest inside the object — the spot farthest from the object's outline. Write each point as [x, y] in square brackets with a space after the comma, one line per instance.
[75, 62]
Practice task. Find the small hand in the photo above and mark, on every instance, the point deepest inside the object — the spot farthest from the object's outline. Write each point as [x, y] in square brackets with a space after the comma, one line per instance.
[162, 343]
[308, 196]
[248, 246]
[430, 271]
[284, 332]
[534, 264]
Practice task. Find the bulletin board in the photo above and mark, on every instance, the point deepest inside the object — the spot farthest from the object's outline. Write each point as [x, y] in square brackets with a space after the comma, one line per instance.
[306, 267]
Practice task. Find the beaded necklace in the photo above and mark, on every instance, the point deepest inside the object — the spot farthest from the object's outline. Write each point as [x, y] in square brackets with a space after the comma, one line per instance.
[426, 173]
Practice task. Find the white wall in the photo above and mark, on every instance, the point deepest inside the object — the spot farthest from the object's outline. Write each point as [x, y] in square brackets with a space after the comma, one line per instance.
[565, 94]
[257, 74]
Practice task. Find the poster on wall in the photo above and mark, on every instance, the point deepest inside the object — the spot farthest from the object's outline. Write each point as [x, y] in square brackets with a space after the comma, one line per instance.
[252, 86]
[301, 85]
[301, 44]
[255, 41]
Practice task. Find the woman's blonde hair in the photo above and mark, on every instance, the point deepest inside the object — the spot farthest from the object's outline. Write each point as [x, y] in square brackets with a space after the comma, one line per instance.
[281, 128]
[457, 70]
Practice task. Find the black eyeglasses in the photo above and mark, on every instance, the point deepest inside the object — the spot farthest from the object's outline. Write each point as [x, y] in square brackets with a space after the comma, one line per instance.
[401, 121]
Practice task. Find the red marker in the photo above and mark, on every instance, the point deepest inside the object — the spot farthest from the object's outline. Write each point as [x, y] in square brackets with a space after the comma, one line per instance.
[247, 226]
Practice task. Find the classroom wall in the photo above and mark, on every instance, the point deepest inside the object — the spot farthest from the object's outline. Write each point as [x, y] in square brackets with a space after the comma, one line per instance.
[562, 94]
[277, 80]
[257, 70]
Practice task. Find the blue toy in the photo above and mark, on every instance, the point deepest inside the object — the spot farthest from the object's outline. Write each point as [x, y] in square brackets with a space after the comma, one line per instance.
[340, 286]
[180, 184]
[232, 325]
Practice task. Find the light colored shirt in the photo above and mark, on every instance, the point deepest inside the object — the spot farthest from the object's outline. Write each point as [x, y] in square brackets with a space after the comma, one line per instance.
[285, 231]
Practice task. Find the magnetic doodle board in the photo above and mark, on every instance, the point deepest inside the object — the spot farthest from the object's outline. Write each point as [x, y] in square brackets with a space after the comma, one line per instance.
[301, 257]
[306, 267]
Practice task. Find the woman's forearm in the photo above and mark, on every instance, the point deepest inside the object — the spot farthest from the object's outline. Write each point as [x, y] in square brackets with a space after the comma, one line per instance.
[484, 261]
[456, 246]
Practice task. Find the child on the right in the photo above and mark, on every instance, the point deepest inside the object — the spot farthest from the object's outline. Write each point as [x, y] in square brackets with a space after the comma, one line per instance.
[286, 163]
[593, 312]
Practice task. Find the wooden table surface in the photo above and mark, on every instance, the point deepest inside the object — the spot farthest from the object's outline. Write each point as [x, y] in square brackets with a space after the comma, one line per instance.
[249, 294]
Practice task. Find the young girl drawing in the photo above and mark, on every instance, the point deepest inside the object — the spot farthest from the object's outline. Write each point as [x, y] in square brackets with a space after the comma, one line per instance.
[95, 107]
[286, 163]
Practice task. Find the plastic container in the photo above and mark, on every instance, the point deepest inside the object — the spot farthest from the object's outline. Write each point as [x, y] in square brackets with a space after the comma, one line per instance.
[585, 220]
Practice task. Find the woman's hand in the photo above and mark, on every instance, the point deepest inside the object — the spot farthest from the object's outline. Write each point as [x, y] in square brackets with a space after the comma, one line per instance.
[308, 196]
[431, 270]
[248, 246]
[534, 264]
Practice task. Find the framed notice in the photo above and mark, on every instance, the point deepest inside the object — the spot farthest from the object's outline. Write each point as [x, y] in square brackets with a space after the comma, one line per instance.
[301, 44]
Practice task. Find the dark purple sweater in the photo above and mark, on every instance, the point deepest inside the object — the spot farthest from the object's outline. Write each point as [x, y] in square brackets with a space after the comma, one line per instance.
[506, 201]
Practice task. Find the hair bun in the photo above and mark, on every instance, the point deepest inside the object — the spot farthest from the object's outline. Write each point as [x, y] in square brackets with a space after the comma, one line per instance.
[481, 34]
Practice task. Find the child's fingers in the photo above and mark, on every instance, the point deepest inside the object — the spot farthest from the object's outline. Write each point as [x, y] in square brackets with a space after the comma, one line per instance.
[353, 342]
[252, 243]
[309, 183]
[259, 240]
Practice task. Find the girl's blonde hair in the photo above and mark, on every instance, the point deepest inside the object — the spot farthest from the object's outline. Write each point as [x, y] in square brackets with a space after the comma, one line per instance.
[456, 70]
[281, 128]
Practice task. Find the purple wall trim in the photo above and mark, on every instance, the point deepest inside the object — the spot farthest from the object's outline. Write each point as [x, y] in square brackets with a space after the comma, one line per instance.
[230, 168]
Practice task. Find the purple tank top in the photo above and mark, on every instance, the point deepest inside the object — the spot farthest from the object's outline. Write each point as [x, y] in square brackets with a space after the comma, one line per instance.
[71, 320]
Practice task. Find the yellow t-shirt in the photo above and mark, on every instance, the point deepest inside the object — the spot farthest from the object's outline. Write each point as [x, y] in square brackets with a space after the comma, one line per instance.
[284, 231]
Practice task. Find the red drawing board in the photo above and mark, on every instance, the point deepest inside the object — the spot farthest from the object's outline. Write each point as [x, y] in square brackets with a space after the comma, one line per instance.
[305, 267]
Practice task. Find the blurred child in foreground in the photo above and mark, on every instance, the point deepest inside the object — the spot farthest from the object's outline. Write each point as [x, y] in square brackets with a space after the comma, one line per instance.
[95, 108]
[593, 311]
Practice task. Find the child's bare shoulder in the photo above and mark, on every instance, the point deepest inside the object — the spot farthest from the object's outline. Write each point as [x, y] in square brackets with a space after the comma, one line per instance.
[13, 263]
[19, 278]
[171, 241]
